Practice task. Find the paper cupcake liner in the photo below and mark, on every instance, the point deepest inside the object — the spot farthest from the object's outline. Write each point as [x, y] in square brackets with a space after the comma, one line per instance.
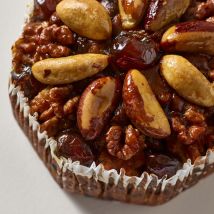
[97, 182]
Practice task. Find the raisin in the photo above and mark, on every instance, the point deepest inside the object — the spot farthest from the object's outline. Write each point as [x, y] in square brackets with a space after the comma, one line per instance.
[162, 165]
[71, 145]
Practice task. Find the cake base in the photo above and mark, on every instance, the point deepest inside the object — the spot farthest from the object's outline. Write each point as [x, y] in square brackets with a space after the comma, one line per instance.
[147, 190]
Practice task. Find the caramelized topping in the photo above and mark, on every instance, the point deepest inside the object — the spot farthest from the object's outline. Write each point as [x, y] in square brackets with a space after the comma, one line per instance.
[153, 118]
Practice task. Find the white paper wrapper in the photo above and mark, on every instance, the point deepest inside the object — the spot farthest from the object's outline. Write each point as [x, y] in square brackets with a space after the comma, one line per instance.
[95, 180]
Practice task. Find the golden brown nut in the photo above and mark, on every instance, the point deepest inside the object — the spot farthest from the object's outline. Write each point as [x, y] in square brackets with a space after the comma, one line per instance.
[133, 142]
[193, 37]
[86, 17]
[96, 104]
[69, 69]
[162, 12]
[187, 80]
[142, 107]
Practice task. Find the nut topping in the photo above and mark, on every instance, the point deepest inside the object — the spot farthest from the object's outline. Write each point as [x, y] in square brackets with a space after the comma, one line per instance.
[73, 56]
[193, 37]
[187, 80]
[131, 12]
[205, 9]
[162, 12]
[56, 108]
[69, 69]
[133, 142]
[142, 106]
[86, 17]
[96, 104]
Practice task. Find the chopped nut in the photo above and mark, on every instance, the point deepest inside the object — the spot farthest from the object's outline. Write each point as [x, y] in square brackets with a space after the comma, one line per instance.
[46, 115]
[55, 108]
[40, 41]
[132, 166]
[71, 105]
[194, 116]
[195, 132]
[50, 126]
[177, 124]
[133, 142]
[205, 9]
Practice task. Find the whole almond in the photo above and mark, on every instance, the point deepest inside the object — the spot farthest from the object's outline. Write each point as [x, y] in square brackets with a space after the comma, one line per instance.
[86, 17]
[70, 69]
[142, 107]
[187, 80]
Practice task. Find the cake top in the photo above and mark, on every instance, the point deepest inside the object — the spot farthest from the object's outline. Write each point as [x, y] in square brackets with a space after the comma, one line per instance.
[125, 83]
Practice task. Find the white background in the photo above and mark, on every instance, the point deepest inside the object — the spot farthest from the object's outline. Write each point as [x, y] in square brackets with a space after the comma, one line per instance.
[26, 186]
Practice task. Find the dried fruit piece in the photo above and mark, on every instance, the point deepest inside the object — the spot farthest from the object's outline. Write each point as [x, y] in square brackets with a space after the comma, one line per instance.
[69, 69]
[29, 85]
[96, 104]
[71, 145]
[162, 12]
[193, 37]
[142, 106]
[162, 165]
[134, 49]
[86, 17]
[131, 12]
[133, 142]
[187, 80]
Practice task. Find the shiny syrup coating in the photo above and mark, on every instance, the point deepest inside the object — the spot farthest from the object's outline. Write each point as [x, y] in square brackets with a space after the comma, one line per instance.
[134, 49]
[71, 145]
[128, 50]
[30, 86]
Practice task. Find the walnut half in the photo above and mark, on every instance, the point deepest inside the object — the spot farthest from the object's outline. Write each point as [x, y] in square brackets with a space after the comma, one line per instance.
[55, 109]
[133, 142]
